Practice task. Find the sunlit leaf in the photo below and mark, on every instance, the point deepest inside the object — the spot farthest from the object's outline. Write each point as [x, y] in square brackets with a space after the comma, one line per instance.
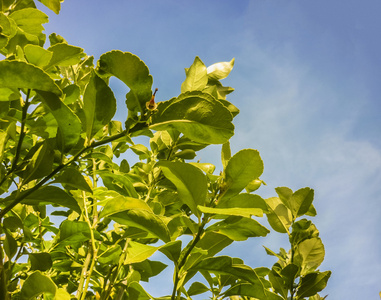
[197, 115]
[64, 55]
[241, 169]
[197, 288]
[18, 74]
[196, 77]
[37, 55]
[74, 232]
[121, 203]
[171, 250]
[54, 5]
[234, 211]
[299, 202]
[137, 252]
[309, 254]
[133, 72]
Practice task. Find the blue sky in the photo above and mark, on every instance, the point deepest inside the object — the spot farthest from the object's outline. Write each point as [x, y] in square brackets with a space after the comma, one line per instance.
[308, 84]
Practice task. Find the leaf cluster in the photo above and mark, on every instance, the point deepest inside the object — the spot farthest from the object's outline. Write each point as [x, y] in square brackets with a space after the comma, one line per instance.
[79, 221]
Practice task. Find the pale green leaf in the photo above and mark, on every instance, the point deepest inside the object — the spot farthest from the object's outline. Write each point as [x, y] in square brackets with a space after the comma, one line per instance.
[220, 70]
[298, 202]
[37, 55]
[99, 105]
[74, 232]
[250, 290]
[137, 252]
[197, 115]
[196, 77]
[244, 200]
[54, 5]
[233, 211]
[189, 180]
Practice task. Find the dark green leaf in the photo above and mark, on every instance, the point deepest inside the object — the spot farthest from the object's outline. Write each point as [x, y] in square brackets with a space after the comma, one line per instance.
[189, 180]
[99, 105]
[313, 283]
[118, 182]
[69, 124]
[49, 195]
[301, 230]
[74, 232]
[197, 288]
[171, 250]
[245, 166]
[197, 115]
[37, 284]
[196, 77]
[40, 261]
[18, 74]
[10, 244]
[299, 202]
[249, 290]
[71, 178]
[278, 284]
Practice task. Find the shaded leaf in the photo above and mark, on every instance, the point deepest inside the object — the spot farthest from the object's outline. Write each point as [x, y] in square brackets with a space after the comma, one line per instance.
[197, 288]
[189, 180]
[40, 261]
[171, 250]
[313, 283]
[69, 124]
[74, 232]
[249, 290]
[299, 202]
[309, 254]
[10, 244]
[71, 178]
[99, 105]
[37, 284]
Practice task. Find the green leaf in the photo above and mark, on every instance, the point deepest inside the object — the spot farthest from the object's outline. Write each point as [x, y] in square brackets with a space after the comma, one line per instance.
[144, 220]
[41, 261]
[254, 291]
[226, 154]
[99, 105]
[136, 291]
[171, 250]
[8, 94]
[309, 254]
[54, 5]
[121, 203]
[220, 70]
[197, 115]
[278, 284]
[313, 283]
[37, 284]
[299, 202]
[279, 216]
[148, 268]
[19, 74]
[71, 178]
[241, 169]
[64, 55]
[133, 72]
[234, 211]
[48, 195]
[137, 252]
[118, 182]
[244, 201]
[190, 182]
[197, 288]
[239, 229]
[302, 230]
[41, 164]
[69, 124]
[289, 273]
[37, 55]
[10, 244]
[111, 255]
[196, 77]
[74, 232]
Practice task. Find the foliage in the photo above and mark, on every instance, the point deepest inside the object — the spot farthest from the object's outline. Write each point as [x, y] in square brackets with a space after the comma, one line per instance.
[59, 148]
